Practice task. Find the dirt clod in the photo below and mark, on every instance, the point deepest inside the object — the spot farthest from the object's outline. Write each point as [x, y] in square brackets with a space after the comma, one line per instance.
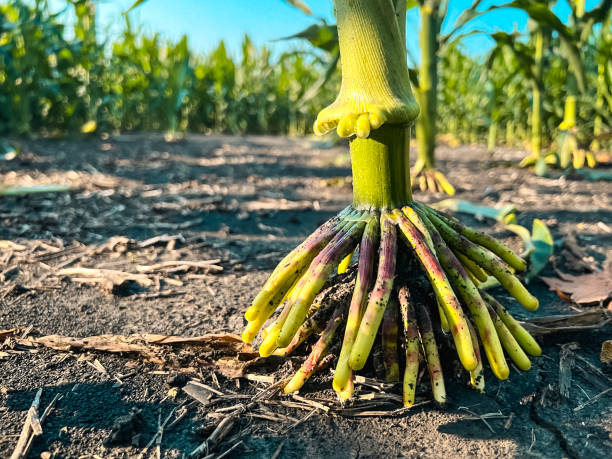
[125, 430]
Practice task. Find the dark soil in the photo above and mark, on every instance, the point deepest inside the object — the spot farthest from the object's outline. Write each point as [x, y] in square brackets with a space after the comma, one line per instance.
[246, 201]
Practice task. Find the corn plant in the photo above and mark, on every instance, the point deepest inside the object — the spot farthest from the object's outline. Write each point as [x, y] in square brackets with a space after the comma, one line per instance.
[394, 234]
[432, 42]
[572, 38]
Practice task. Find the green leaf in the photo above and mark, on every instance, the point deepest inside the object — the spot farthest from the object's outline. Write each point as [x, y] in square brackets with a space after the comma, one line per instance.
[466, 207]
[330, 70]
[538, 246]
[542, 14]
[322, 36]
[7, 151]
[25, 190]
[303, 7]
[411, 4]
[136, 4]
[595, 175]
[413, 74]
[542, 243]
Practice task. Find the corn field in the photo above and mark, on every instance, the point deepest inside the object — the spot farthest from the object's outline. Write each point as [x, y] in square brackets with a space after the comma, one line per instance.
[52, 85]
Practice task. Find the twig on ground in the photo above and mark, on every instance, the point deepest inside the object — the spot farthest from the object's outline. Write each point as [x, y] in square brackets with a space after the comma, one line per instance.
[98, 366]
[360, 412]
[158, 435]
[592, 400]
[226, 452]
[222, 429]
[162, 238]
[278, 451]
[43, 417]
[160, 294]
[184, 265]
[483, 417]
[509, 421]
[106, 277]
[533, 440]
[259, 378]
[31, 428]
[182, 412]
[207, 387]
[312, 403]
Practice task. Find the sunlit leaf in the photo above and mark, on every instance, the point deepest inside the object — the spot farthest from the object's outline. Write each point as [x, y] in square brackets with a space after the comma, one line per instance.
[541, 13]
[136, 4]
[300, 5]
[322, 36]
[459, 205]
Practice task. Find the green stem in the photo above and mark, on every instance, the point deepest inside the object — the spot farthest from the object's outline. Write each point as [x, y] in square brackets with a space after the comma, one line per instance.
[492, 140]
[569, 115]
[380, 165]
[536, 109]
[428, 86]
[599, 104]
[510, 131]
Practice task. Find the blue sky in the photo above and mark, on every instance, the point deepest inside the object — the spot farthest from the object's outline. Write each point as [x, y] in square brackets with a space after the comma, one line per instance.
[206, 22]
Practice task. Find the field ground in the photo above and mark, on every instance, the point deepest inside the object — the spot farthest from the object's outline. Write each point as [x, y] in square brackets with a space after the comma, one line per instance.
[246, 201]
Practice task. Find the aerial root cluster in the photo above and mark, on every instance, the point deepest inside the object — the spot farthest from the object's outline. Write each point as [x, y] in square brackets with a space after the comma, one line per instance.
[455, 260]
[432, 180]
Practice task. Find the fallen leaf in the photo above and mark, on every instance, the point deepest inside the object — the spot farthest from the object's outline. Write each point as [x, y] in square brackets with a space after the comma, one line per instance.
[226, 351]
[110, 280]
[4, 334]
[586, 289]
[480, 212]
[595, 175]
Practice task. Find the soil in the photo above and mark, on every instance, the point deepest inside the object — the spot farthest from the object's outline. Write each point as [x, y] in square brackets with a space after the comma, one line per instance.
[246, 201]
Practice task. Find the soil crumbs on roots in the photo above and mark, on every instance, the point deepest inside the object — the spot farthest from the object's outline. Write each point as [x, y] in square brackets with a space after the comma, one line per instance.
[142, 206]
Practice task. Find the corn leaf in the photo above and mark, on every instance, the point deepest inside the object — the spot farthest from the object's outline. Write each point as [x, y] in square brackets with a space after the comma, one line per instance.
[459, 205]
[136, 4]
[543, 247]
[303, 7]
[322, 36]
[542, 14]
